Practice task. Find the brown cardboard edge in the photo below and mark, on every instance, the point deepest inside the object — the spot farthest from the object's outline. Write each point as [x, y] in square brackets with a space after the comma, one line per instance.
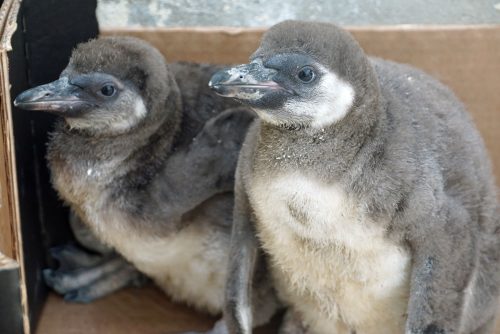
[4, 12]
[8, 14]
[8, 22]
[8, 18]
[16, 227]
[7, 234]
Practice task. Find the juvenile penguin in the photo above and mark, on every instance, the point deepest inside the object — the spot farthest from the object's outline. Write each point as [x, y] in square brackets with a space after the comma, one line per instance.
[148, 169]
[368, 186]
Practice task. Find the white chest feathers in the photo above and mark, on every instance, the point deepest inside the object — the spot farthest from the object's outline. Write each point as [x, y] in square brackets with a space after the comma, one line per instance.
[190, 265]
[329, 260]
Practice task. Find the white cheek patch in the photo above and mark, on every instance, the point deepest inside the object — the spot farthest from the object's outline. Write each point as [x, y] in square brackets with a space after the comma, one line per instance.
[338, 97]
[333, 99]
[140, 109]
[128, 121]
[116, 121]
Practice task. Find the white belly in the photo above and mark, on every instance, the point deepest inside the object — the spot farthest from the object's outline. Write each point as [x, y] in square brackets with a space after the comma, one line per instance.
[190, 265]
[334, 265]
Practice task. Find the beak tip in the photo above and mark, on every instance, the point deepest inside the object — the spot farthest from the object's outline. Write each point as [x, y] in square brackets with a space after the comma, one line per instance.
[24, 98]
[18, 101]
[20, 98]
[215, 86]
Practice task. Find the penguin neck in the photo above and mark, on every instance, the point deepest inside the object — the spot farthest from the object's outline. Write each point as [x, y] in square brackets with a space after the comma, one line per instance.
[337, 145]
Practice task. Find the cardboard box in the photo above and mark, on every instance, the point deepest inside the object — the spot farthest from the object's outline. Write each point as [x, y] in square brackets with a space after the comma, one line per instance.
[466, 58]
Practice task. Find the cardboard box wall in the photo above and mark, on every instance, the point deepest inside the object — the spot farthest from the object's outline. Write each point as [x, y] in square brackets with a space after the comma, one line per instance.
[466, 58]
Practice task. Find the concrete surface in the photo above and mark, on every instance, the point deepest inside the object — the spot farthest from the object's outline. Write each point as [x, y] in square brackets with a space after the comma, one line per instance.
[254, 13]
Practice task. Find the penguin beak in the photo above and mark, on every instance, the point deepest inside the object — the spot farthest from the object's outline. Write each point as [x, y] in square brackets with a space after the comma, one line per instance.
[59, 97]
[244, 82]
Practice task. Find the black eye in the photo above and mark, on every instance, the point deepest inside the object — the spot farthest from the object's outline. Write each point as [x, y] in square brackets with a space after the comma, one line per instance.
[108, 90]
[306, 74]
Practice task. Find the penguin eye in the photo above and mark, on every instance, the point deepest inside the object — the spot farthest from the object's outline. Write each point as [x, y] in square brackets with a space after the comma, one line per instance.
[108, 90]
[306, 74]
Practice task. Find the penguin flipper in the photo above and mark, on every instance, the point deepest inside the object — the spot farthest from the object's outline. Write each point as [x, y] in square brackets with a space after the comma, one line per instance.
[205, 168]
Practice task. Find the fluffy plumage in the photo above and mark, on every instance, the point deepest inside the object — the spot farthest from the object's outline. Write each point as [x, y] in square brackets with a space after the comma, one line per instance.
[384, 218]
[145, 156]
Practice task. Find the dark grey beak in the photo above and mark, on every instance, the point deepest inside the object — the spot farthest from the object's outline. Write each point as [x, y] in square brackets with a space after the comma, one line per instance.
[59, 97]
[244, 82]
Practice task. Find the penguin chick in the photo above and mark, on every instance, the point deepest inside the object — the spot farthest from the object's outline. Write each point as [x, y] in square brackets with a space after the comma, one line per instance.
[155, 189]
[371, 192]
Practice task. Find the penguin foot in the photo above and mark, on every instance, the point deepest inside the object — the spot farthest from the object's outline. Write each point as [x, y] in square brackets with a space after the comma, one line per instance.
[83, 278]
[70, 257]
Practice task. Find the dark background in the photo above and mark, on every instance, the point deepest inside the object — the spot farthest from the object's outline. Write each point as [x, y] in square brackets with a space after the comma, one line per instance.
[47, 32]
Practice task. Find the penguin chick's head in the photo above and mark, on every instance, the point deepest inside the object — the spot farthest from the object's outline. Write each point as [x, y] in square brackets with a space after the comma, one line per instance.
[110, 85]
[304, 74]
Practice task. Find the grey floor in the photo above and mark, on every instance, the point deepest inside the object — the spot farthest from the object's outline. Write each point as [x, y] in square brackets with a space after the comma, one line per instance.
[258, 13]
